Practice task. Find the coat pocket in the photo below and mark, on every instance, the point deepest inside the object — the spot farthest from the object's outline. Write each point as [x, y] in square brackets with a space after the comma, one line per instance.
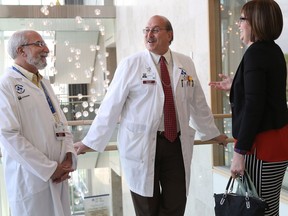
[132, 140]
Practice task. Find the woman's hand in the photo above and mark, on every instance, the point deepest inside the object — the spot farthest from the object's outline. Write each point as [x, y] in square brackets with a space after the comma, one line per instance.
[224, 84]
[238, 165]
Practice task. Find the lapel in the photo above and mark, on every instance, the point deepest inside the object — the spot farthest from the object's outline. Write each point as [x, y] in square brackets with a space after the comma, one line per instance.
[237, 78]
[177, 65]
[22, 79]
[149, 63]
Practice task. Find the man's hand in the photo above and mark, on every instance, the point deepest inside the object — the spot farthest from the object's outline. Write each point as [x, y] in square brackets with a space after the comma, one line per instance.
[221, 140]
[67, 163]
[80, 148]
[63, 170]
[61, 173]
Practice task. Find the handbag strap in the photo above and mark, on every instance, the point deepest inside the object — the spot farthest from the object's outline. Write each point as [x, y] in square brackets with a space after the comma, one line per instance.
[246, 183]
[230, 185]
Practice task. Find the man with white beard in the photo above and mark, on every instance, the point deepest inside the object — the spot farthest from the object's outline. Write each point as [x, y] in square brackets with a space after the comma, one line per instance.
[37, 148]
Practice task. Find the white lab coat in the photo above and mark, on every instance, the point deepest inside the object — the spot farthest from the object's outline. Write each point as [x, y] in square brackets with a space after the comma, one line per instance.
[141, 107]
[30, 149]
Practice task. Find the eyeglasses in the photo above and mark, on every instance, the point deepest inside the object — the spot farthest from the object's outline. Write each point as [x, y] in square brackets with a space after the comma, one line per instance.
[242, 19]
[37, 43]
[155, 30]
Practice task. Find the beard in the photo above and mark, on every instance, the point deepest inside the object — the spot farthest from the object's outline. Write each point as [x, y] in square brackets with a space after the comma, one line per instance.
[36, 61]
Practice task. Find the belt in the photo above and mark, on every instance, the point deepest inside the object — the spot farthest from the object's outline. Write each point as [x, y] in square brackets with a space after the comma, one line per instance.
[161, 133]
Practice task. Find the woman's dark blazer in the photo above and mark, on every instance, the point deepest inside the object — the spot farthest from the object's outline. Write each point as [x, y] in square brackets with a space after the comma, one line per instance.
[258, 93]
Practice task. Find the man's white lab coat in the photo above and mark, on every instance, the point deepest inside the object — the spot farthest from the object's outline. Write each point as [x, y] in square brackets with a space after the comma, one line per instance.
[30, 149]
[136, 94]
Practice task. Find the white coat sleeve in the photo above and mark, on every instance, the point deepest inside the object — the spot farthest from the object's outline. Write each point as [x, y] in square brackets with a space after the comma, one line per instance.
[201, 117]
[109, 111]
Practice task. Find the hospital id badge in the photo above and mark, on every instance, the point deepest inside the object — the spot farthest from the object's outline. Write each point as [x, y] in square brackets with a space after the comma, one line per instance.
[59, 129]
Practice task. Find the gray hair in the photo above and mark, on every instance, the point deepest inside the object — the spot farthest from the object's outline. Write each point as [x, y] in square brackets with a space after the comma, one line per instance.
[16, 40]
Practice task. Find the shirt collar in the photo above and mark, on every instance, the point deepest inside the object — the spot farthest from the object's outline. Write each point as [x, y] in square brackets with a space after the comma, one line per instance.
[30, 76]
[167, 55]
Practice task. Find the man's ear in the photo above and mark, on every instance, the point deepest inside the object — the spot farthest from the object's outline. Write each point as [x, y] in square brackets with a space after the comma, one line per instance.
[170, 33]
[20, 51]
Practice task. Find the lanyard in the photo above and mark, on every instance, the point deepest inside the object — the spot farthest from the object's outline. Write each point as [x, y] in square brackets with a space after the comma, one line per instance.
[48, 99]
[44, 89]
[15, 69]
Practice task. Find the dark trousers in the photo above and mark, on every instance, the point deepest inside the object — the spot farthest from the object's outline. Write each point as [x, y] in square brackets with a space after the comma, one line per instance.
[169, 198]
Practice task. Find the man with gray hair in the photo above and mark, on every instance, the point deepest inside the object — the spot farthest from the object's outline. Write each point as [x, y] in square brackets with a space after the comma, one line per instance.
[37, 147]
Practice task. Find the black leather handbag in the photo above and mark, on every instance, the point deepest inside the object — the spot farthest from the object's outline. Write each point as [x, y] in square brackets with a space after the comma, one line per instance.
[244, 202]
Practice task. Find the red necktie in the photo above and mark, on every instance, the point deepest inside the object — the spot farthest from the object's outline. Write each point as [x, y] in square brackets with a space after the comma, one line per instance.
[170, 125]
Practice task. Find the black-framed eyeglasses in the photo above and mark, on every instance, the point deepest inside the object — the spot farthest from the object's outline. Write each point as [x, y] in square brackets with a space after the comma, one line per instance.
[37, 43]
[155, 30]
[242, 19]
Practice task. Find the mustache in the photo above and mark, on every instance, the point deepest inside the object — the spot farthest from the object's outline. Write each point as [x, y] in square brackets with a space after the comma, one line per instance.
[151, 40]
[44, 54]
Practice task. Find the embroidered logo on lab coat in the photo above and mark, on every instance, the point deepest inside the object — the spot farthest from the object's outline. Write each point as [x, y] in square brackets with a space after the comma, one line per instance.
[19, 89]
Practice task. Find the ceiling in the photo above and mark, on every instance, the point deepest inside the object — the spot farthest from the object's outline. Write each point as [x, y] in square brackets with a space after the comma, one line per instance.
[80, 25]
[56, 24]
